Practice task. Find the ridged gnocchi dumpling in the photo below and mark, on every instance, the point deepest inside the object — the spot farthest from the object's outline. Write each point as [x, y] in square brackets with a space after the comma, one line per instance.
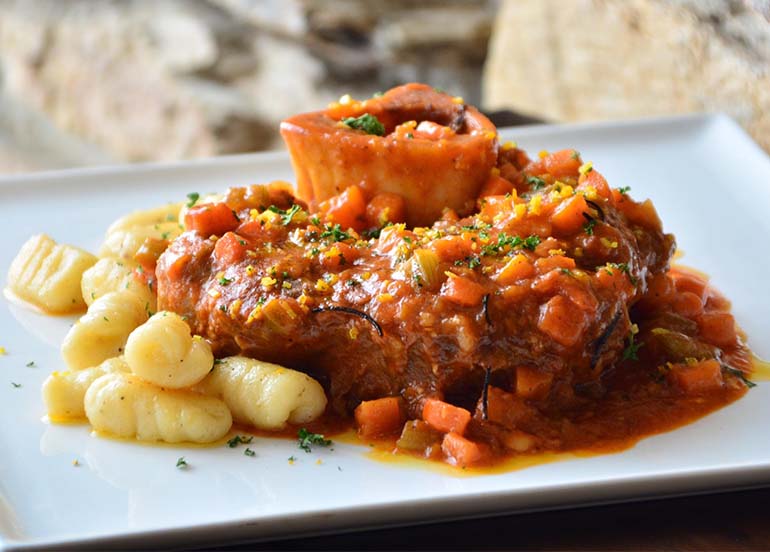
[123, 243]
[147, 217]
[162, 351]
[125, 406]
[48, 274]
[64, 392]
[264, 395]
[102, 332]
[109, 275]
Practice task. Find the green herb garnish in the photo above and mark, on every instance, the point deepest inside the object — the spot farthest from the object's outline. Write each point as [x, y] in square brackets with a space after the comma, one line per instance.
[249, 452]
[535, 182]
[624, 190]
[631, 350]
[193, 198]
[366, 122]
[237, 440]
[181, 463]
[306, 440]
[335, 232]
[588, 227]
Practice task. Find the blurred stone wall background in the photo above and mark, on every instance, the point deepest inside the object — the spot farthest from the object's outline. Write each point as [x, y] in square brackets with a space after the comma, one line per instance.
[97, 81]
[86, 82]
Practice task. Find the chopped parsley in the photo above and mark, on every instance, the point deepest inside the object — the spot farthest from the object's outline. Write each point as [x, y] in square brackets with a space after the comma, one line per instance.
[181, 463]
[588, 227]
[315, 220]
[631, 350]
[335, 232]
[306, 440]
[286, 215]
[575, 154]
[16, 385]
[31, 364]
[366, 122]
[624, 190]
[536, 183]
[249, 452]
[223, 281]
[409, 135]
[238, 440]
[504, 241]
[193, 198]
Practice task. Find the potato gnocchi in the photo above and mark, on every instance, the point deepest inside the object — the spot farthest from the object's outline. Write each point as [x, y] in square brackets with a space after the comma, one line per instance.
[125, 406]
[264, 395]
[147, 217]
[109, 275]
[162, 351]
[64, 392]
[102, 332]
[124, 243]
[48, 274]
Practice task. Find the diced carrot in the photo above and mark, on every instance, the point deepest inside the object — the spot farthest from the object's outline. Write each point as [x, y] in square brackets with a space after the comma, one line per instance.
[452, 248]
[445, 417]
[491, 206]
[701, 377]
[211, 219]
[462, 291]
[561, 321]
[461, 451]
[347, 209]
[595, 180]
[718, 328]
[563, 163]
[496, 186]
[385, 207]
[546, 264]
[337, 255]
[518, 268]
[687, 304]
[532, 383]
[687, 281]
[230, 249]
[379, 417]
[568, 217]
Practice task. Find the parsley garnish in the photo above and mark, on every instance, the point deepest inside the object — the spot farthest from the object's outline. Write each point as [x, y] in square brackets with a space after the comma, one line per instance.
[306, 440]
[31, 364]
[286, 215]
[531, 242]
[624, 190]
[315, 220]
[249, 452]
[223, 281]
[181, 463]
[589, 227]
[631, 350]
[535, 182]
[335, 232]
[16, 385]
[366, 122]
[237, 440]
[193, 198]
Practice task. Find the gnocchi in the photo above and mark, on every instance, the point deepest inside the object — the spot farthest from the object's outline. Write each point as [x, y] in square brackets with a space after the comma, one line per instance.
[125, 406]
[114, 275]
[163, 352]
[264, 395]
[147, 217]
[64, 392]
[124, 243]
[102, 332]
[48, 274]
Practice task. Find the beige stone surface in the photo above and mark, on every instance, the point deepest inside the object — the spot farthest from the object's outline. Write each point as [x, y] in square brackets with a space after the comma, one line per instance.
[141, 80]
[573, 60]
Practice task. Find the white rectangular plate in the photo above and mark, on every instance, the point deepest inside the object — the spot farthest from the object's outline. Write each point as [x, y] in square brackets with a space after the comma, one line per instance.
[711, 185]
